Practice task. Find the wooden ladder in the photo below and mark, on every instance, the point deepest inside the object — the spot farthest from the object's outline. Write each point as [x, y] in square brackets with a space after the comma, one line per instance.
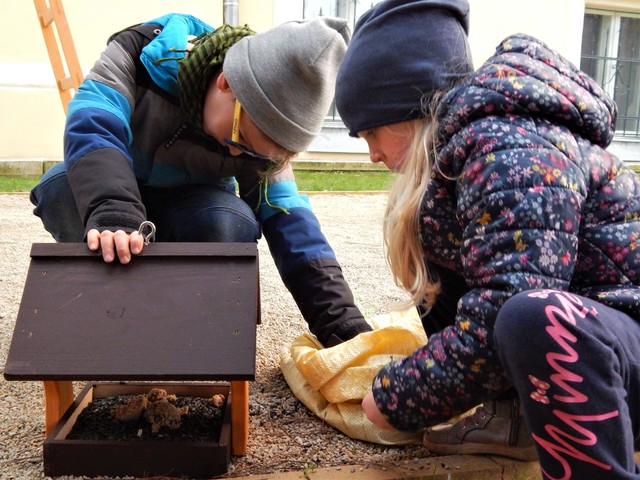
[62, 52]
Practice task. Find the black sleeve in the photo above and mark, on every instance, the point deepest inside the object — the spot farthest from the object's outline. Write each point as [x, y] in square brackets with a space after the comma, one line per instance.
[443, 312]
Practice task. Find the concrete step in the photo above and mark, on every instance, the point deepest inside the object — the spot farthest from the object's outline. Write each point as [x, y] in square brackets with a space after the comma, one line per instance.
[450, 467]
[453, 467]
[25, 167]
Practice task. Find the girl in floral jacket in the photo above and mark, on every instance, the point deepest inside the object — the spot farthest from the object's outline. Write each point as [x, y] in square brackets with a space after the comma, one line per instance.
[516, 234]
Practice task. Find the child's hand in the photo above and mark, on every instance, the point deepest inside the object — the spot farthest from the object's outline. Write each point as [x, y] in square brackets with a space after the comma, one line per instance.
[373, 414]
[125, 244]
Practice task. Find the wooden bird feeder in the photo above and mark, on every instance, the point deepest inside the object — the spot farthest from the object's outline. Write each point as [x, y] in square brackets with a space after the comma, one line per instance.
[181, 313]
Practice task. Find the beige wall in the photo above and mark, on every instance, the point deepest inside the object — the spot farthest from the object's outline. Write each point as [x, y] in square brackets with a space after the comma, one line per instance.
[32, 117]
[91, 22]
[556, 22]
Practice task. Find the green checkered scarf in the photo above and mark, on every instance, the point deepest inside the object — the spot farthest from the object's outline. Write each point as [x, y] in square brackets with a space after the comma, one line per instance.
[203, 61]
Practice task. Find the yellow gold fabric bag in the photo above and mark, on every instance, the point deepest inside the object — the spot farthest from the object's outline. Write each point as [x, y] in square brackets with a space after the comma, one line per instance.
[331, 382]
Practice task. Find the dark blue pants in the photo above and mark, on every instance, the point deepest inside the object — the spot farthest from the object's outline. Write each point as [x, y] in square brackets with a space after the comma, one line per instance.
[194, 213]
[576, 367]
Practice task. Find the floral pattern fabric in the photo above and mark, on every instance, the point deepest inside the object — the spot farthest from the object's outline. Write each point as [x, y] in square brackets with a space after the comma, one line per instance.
[523, 196]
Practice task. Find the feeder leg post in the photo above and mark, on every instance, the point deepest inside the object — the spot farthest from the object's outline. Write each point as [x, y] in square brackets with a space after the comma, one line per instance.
[239, 417]
[57, 398]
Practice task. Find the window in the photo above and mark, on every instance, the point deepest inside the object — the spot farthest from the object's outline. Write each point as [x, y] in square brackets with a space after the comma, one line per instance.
[611, 55]
[349, 9]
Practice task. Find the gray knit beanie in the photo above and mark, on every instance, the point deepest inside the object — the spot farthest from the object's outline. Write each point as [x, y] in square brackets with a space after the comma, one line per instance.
[285, 77]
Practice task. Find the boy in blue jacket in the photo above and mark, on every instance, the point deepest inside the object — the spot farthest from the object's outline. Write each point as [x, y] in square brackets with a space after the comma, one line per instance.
[173, 119]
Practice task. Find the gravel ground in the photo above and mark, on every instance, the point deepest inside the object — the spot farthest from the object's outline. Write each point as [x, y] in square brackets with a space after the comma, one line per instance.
[284, 435]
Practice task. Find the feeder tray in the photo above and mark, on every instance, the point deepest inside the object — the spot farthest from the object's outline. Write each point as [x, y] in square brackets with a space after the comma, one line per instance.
[172, 458]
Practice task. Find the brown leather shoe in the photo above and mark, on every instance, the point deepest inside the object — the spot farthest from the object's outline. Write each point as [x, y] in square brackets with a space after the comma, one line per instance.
[495, 428]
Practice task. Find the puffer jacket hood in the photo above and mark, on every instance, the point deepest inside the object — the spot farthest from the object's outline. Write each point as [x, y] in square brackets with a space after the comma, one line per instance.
[162, 55]
[527, 78]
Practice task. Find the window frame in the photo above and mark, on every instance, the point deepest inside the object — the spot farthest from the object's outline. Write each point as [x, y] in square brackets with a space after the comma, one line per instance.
[353, 12]
[608, 66]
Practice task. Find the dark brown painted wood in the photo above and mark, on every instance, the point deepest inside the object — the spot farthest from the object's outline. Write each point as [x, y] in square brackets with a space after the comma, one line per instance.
[178, 311]
[136, 458]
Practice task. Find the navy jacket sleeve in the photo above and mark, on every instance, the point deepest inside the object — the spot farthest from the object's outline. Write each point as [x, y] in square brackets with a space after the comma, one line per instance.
[307, 263]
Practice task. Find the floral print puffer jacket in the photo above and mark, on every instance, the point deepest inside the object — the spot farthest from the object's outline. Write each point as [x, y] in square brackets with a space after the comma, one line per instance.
[523, 196]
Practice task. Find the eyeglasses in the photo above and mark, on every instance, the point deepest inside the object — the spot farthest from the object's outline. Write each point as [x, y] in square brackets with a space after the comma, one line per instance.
[235, 135]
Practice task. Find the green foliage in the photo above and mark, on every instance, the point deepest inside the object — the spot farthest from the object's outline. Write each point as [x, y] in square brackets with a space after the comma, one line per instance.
[340, 181]
[308, 181]
[17, 184]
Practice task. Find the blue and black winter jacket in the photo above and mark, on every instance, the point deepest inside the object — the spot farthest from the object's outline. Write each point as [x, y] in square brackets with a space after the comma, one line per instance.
[125, 128]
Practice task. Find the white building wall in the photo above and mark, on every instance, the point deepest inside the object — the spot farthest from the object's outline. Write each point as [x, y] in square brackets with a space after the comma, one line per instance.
[32, 117]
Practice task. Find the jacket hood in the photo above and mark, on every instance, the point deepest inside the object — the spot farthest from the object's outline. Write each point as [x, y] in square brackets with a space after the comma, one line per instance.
[162, 55]
[527, 78]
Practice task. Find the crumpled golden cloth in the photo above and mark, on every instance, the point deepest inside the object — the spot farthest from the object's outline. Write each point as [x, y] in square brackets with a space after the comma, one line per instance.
[331, 382]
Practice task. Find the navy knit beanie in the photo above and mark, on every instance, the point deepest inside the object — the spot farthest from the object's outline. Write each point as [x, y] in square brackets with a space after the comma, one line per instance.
[401, 53]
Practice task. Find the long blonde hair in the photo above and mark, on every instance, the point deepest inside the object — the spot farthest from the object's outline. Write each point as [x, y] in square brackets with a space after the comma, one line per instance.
[401, 228]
